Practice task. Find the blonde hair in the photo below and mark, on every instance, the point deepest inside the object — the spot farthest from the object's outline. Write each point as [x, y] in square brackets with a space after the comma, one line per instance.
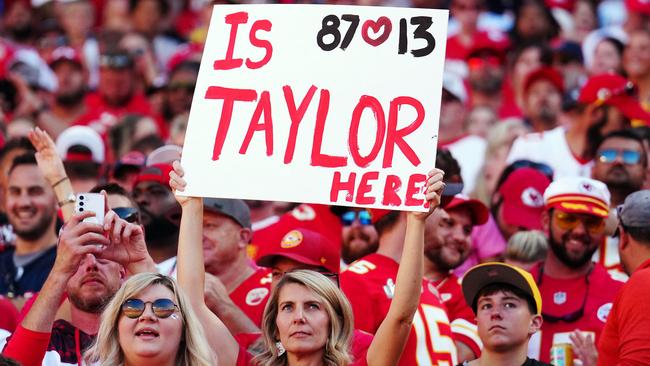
[527, 246]
[337, 348]
[193, 351]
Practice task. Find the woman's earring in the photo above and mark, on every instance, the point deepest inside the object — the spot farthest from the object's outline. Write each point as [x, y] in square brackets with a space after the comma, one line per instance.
[280, 348]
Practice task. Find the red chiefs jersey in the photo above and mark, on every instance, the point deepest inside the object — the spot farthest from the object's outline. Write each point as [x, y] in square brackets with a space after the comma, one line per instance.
[463, 321]
[251, 296]
[561, 297]
[369, 284]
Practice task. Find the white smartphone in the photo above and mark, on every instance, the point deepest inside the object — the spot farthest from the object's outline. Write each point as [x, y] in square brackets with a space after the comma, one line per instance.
[91, 202]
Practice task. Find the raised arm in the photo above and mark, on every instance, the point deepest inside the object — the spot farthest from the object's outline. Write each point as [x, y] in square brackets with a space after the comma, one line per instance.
[51, 165]
[390, 339]
[191, 271]
[76, 241]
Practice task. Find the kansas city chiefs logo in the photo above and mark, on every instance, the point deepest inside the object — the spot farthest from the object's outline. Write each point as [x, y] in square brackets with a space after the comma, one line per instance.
[532, 198]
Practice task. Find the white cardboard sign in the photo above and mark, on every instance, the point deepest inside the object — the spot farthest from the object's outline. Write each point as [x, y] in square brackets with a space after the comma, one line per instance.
[317, 104]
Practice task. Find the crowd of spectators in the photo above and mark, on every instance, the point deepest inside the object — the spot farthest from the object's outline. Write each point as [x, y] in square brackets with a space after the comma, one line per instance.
[544, 138]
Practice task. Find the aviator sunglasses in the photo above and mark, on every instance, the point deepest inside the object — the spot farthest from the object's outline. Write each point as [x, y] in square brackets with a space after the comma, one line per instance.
[630, 157]
[128, 214]
[162, 308]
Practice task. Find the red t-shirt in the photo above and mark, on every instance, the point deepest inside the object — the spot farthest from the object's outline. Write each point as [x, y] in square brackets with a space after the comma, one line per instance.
[561, 297]
[8, 315]
[626, 338]
[463, 321]
[369, 285]
[251, 296]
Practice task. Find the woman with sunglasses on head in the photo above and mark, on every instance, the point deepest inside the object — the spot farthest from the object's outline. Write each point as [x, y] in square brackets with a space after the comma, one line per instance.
[309, 320]
[149, 321]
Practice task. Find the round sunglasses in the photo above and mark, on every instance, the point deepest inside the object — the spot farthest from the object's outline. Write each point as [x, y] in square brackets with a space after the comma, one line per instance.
[162, 308]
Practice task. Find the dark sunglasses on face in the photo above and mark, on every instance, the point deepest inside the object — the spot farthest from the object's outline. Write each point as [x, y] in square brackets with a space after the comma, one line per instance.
[162, 308]
[116, 61]
[128, 214]
[630, 157]
[568, 221]
[349, 217]
[187, 87]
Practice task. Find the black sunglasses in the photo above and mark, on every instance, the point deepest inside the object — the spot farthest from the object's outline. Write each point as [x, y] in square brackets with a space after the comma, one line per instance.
[519, 164]
[187, 87]
[573, 316]
[128, 214]
[162, 308]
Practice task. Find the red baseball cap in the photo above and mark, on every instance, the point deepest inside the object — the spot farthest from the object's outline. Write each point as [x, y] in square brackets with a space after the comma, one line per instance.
[544, 73]
[304, 246]
[64, 53]
[377, 214]
[480, 213]
[523, 198]
[154, 173]
[492, 42]
[640, 6]
[567, 5]
[614, 90]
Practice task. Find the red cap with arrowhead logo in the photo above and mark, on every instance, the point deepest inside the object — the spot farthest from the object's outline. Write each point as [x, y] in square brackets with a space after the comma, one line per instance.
[522, 198]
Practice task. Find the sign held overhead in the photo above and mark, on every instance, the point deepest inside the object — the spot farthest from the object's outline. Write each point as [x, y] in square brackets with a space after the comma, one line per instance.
[317, 104]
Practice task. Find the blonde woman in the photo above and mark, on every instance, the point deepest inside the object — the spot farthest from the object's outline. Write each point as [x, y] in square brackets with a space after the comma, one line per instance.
[325, 302]
[149, 322]
[310, 320]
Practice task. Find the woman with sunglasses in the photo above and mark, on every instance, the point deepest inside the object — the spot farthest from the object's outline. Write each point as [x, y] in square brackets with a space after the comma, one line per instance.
[149, 321]
[320, 308]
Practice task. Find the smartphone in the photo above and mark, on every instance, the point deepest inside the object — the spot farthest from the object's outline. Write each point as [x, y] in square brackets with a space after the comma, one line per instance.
[91, 202]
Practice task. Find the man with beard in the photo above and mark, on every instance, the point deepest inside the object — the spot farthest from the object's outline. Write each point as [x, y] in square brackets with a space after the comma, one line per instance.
[68, 105]
[620, 163]
[358, 234]
[577, 293]
[160, 214]
[91, 262]
[31, 209]
[542, 102]
[485, 64]
[606, 103]
[447, 243]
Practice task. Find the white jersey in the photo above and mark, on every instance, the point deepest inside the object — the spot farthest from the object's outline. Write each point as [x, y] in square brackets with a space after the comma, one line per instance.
[552, 149]
[469, 151]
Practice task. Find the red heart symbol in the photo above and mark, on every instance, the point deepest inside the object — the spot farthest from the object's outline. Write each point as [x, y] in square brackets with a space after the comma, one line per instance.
[382, 22]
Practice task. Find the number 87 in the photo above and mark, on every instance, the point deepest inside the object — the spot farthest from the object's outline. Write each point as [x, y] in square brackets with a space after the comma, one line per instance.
[331, 25]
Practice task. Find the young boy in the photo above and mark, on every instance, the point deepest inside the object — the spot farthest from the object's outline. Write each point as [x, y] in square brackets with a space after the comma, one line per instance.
[508, 308]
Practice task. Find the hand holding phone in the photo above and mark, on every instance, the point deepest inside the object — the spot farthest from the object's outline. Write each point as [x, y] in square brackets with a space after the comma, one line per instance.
[91, 202]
